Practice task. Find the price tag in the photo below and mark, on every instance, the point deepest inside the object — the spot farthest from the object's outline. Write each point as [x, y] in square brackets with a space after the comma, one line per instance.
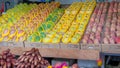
[90, 47]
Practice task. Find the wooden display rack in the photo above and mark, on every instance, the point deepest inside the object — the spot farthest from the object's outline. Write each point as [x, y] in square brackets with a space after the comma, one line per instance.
[52, 50]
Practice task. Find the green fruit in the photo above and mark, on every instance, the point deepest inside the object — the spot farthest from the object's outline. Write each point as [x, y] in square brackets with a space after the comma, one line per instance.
[44, 26]
[42, 35]
[30, 38]
[40, 29]
[37, 38]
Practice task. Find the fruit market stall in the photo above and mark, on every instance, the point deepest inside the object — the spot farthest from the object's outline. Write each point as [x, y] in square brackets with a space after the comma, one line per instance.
[81, 31]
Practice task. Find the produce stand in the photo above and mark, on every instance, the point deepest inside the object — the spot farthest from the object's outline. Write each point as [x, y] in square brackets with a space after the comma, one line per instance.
[75, 31]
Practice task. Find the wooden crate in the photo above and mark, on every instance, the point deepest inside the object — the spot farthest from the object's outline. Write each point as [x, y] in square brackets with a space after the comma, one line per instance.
[91, 47]
[70, 46]
[111, 48]
[33, 44]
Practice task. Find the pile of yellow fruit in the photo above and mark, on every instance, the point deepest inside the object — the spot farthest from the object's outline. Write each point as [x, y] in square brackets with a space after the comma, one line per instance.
[45, 27]
[63, 25]
[72, 25]
[11, 17]
[81, 21]
[27, 22]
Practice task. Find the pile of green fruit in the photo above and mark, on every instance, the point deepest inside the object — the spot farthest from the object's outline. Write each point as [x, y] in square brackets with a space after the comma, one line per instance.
[46, 26]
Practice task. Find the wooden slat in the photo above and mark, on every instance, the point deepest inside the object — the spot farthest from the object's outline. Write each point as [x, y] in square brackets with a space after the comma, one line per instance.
[91, 47]
[111, 48]
[57, 52]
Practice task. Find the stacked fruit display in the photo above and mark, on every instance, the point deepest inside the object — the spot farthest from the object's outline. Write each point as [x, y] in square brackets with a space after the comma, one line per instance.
[11, 17]
[14, 14]
[63, 25]
[28, 23]
[46, 26]
[80, 24]
[31, 59]
[7, 59]
[94, 30]
[112, 30]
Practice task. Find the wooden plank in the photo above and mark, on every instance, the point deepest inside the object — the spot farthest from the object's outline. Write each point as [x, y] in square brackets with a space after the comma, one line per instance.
[14, 50]
[15, 44]
[33, 44]
[70, 46]
[50, 45]
[69, 53]
[111, 48]
[11, 43]
[57, 52]
[91, 47]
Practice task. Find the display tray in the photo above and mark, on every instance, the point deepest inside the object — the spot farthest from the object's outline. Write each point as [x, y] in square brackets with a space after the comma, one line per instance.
[111, 48]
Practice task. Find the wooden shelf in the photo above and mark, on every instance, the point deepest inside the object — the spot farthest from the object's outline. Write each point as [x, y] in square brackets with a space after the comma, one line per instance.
[111, 48]
[56, 52]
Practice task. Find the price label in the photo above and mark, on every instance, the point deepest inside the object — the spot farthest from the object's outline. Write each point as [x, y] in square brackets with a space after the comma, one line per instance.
[90, 47]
